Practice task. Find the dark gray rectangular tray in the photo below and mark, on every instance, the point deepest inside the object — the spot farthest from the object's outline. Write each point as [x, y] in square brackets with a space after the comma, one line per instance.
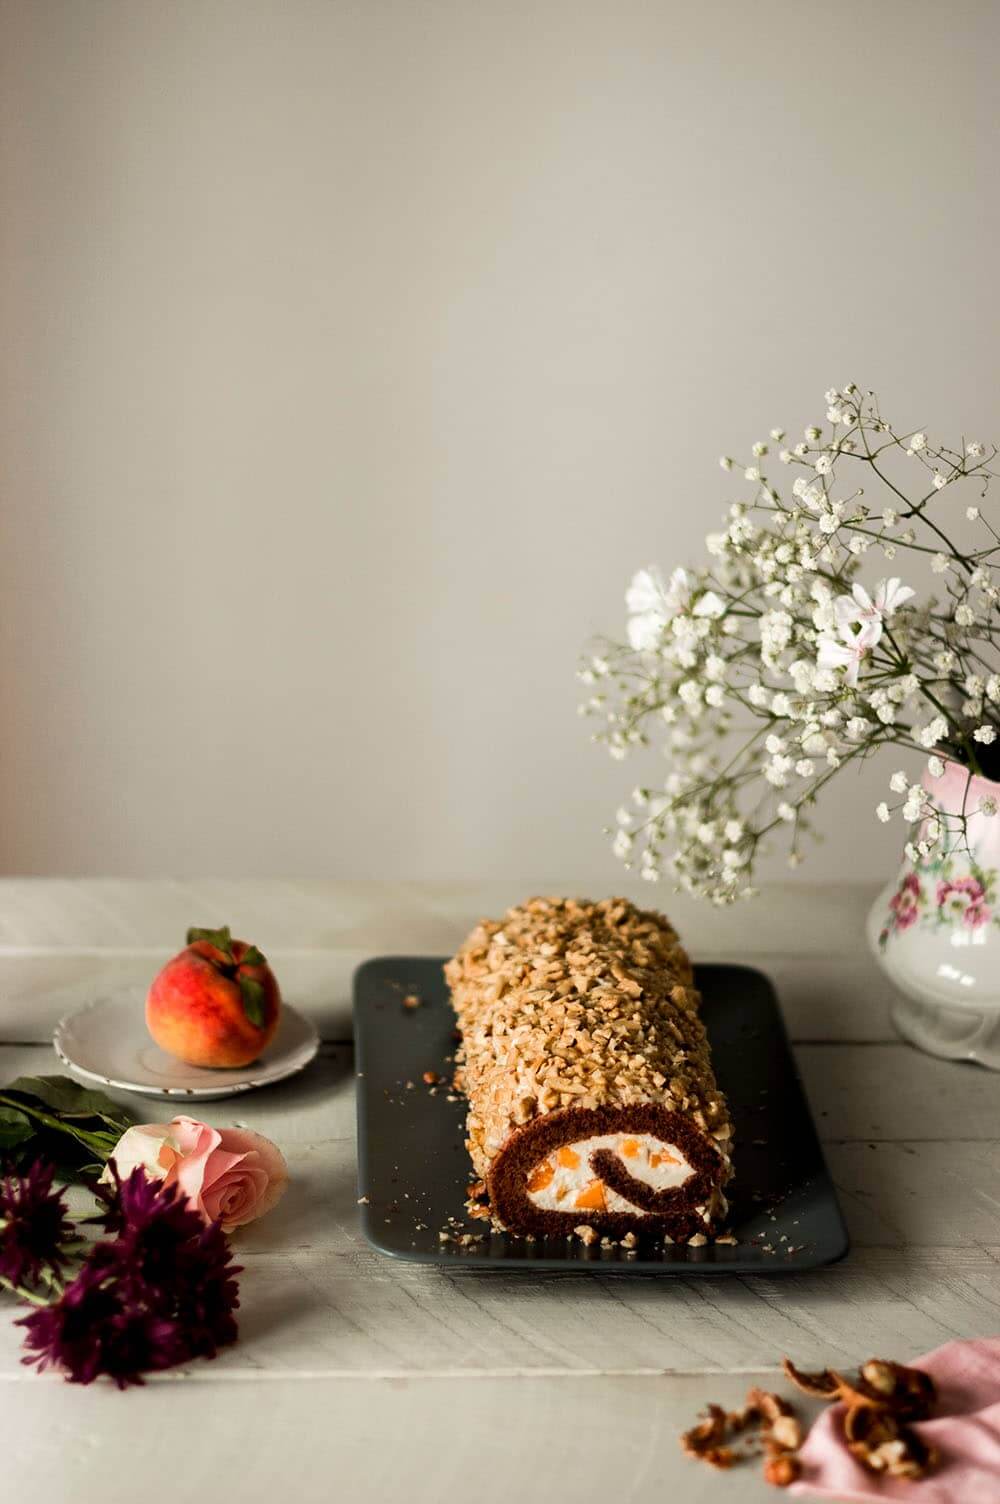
[413, 1168]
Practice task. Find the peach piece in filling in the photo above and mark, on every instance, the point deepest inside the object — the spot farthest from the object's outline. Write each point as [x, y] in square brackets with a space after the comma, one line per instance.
[592, 1199]
[568, 1173]
[541, 1176]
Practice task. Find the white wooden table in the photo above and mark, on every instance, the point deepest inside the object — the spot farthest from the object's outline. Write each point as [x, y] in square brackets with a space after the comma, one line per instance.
[361, 1379]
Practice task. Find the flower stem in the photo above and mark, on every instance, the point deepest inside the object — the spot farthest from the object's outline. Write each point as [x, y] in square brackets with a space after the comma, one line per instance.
[22, 1292]
[99, 1143]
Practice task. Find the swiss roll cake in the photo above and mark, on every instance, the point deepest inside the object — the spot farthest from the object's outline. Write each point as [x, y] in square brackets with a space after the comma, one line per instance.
[592, 1105]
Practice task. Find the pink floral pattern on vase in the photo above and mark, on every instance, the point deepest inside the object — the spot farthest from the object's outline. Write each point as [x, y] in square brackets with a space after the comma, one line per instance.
[935, 895]
[905, 903]
[936, 929]
[964, 900]
[952, 888]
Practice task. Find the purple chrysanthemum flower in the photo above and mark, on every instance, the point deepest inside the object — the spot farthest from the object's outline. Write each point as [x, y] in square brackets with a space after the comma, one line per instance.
[103, 1325]
[205, 1291]
[162, 1292]
[153, 1222]
[163, 1240]
[34, 1226]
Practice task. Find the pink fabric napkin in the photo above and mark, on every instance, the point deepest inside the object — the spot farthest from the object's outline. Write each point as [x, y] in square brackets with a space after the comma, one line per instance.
[965, 1430]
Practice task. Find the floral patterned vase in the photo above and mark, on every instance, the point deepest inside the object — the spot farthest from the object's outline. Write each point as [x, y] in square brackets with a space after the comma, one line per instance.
[935, 930]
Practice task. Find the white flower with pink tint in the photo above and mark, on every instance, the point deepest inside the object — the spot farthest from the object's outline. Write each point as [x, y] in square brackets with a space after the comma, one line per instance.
[651, 605]
[876, 609]
[849, 650]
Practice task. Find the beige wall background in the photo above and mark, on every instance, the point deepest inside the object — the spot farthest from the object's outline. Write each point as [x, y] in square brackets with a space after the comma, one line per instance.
[354, 355]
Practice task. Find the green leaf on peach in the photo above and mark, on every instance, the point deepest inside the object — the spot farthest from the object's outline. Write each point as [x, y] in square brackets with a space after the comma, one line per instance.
[253, 957]
[252, 993]
[222, 939]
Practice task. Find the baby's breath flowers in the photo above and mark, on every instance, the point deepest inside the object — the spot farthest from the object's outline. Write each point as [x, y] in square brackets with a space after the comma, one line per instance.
[773, 666]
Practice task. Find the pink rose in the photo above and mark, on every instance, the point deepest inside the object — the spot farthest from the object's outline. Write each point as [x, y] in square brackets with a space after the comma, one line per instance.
[975, 915]
[230, 1175]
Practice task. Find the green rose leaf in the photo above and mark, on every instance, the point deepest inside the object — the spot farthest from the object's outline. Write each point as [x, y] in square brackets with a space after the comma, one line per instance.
[57, 1118]
[15, 1128]
[222, 939]
[252, 993]
[253, 957]
[68, 1099]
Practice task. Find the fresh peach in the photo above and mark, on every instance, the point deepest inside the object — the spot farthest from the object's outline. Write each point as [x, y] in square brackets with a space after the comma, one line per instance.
[216, 1003]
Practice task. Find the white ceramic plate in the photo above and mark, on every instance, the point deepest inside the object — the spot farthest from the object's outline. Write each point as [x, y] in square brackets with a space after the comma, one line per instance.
[107, 1041]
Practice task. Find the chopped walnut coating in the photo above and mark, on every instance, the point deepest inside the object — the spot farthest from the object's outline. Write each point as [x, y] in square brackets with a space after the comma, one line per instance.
[566, 1003]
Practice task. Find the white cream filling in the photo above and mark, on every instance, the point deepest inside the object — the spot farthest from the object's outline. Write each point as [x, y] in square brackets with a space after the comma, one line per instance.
[559, 1182]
